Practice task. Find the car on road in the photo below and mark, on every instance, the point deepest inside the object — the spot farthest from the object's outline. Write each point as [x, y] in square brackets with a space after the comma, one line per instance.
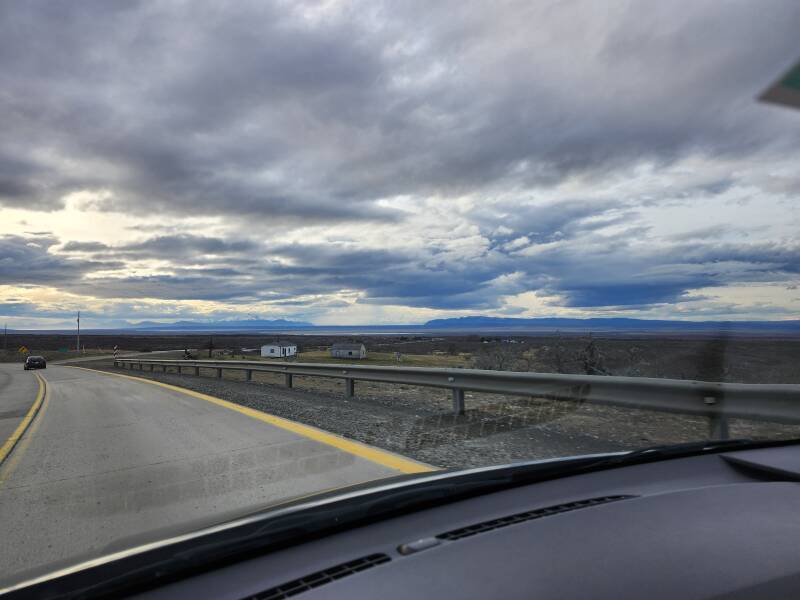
[35, 362]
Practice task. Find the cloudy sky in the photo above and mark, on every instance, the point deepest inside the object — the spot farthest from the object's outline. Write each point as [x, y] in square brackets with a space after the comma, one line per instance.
[347, 162]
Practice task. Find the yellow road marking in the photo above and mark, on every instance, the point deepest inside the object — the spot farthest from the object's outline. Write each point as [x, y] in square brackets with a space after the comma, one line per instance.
[9, 444]
[381, 457]
[13, 441]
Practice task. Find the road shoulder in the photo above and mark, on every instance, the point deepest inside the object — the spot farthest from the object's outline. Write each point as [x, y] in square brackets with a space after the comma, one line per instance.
[10, 442]
[376, 455]
[413, 422]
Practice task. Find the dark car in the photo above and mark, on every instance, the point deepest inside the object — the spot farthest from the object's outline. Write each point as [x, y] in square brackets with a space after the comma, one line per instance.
[35, 362]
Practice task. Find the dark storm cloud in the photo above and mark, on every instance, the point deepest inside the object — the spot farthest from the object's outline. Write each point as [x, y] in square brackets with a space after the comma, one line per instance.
[26, 260]
[549, 221]
[390, 277]
[302, 270]
[703, 233]
[589, 270]
[207, 286]
[592, 270]
[84, 247]
[613, 272]
[182, 245]
[255, 114]
[207, 111]
[254, 111]
[176, 248]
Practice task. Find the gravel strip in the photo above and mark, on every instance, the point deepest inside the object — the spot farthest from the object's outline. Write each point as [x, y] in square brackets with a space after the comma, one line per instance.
[418, 422]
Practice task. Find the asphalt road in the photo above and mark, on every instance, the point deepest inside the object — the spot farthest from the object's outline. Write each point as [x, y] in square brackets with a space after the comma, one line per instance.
[110, 461]
[17, 392]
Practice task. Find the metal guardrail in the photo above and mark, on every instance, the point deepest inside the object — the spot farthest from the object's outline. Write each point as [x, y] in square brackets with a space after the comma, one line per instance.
[716, 401]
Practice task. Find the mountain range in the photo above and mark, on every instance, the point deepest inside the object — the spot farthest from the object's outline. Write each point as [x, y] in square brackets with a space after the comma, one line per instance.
[227, 325]
[477, 323]
[610, 324]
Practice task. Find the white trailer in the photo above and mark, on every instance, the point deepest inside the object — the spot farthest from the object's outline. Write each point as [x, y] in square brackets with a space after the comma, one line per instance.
[278, 350]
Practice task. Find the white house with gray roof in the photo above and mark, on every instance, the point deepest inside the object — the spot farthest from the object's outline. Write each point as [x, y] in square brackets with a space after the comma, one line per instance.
[348, 351]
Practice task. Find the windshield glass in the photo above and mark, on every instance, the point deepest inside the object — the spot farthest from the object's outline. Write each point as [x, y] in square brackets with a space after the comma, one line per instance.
[273, 248]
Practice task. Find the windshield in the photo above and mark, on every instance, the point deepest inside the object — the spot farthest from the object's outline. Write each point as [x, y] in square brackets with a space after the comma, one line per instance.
[259, 251]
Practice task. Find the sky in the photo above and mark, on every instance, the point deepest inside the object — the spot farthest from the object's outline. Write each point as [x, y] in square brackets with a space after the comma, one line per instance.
[393, 162]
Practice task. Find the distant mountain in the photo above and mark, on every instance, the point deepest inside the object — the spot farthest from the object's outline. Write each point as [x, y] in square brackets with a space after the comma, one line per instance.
[610, 324]
[228, 325]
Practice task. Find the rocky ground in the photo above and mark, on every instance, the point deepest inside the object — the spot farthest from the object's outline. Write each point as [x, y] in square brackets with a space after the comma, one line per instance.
[418, 422]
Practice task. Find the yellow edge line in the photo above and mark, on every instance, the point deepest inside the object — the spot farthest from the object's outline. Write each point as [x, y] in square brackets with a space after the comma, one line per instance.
[381, 457]
[8, 467]
[9, 444]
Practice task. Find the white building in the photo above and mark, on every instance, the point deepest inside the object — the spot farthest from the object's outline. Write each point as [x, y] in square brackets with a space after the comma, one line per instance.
[278, 350]
[348, 351]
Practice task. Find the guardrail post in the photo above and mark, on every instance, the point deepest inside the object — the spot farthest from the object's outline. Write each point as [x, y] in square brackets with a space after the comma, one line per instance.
[248, 375]
[349, 387]
[219, 373]
[717, 421]
[458, 401]
[197, 371]
[288, 378]
[718, 427]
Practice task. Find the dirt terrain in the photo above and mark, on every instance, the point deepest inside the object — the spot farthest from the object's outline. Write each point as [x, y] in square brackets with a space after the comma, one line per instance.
[742, 359]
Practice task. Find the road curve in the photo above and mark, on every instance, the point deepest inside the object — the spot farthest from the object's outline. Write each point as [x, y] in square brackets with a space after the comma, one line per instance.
[17, 393]
[109, 458]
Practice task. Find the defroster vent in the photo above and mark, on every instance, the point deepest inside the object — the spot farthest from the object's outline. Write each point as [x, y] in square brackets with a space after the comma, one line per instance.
[314, 580]
[457, 534]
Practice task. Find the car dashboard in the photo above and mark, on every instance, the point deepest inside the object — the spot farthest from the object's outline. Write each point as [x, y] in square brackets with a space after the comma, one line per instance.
[710, 526]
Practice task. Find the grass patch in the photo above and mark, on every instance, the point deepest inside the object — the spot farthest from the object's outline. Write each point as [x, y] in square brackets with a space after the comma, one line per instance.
[373, 358]
[387, 359]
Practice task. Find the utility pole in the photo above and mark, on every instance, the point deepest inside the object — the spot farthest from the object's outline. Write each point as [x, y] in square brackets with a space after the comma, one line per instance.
[78, 347]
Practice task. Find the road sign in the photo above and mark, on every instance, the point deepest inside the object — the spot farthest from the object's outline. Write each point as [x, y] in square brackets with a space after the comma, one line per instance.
[23, 350]
[786, 90]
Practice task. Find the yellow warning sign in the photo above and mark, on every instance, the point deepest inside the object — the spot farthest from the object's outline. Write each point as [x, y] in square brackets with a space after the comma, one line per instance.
[23, 350]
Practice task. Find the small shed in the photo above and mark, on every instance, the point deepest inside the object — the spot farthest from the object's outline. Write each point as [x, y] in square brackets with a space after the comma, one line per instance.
[278, 350]
[348, 351]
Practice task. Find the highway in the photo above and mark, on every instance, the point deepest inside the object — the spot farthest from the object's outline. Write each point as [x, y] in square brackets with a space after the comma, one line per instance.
[18, 390]
[109, 460]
